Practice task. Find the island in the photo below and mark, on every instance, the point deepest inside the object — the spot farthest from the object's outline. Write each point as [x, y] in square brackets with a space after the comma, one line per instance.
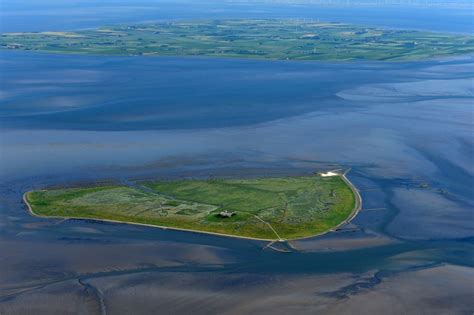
[256, 39]
[267, 208]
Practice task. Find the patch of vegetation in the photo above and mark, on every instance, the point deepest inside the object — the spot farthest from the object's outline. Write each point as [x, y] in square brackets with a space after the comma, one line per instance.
[293, 206]
[261, 39]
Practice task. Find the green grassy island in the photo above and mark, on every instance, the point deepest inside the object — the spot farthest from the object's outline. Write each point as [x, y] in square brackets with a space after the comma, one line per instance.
[262, 208]
[258, 39]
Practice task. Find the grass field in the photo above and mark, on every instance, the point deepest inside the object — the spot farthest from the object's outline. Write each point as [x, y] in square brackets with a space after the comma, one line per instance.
[260, 39]
[293, 206]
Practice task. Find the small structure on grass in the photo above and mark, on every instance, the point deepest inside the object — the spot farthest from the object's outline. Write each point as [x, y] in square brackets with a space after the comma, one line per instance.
[226, 214]
[328, 174]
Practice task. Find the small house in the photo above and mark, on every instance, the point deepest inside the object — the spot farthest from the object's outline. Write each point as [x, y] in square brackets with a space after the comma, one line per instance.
[226, 214]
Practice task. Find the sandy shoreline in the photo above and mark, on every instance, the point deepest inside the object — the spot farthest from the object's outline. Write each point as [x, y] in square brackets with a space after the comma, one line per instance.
[355, 211]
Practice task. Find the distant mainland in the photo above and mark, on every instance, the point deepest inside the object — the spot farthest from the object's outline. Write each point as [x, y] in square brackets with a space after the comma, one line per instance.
[241, 38]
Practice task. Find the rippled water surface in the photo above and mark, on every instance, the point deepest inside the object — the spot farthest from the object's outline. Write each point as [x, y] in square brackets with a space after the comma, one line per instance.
[404, 129]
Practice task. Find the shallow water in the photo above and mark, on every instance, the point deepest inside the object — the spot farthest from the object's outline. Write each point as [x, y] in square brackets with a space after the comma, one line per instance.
[405, 129]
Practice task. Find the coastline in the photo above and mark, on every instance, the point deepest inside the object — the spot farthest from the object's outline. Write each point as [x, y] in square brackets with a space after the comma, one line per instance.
[353, 214]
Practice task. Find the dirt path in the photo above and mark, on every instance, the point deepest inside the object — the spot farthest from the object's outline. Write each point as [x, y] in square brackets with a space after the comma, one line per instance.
[355, 211]
[270, 226]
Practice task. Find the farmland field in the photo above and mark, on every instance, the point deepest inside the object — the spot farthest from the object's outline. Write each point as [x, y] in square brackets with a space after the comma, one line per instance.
[257, 39]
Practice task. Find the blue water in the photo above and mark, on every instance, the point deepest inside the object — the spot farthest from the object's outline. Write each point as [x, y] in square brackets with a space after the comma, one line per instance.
[404, 129]
[97, 93]
[31, 15]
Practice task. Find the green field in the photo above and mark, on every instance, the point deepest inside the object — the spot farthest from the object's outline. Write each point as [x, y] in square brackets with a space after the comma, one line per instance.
[266, 208]
[261, 39]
